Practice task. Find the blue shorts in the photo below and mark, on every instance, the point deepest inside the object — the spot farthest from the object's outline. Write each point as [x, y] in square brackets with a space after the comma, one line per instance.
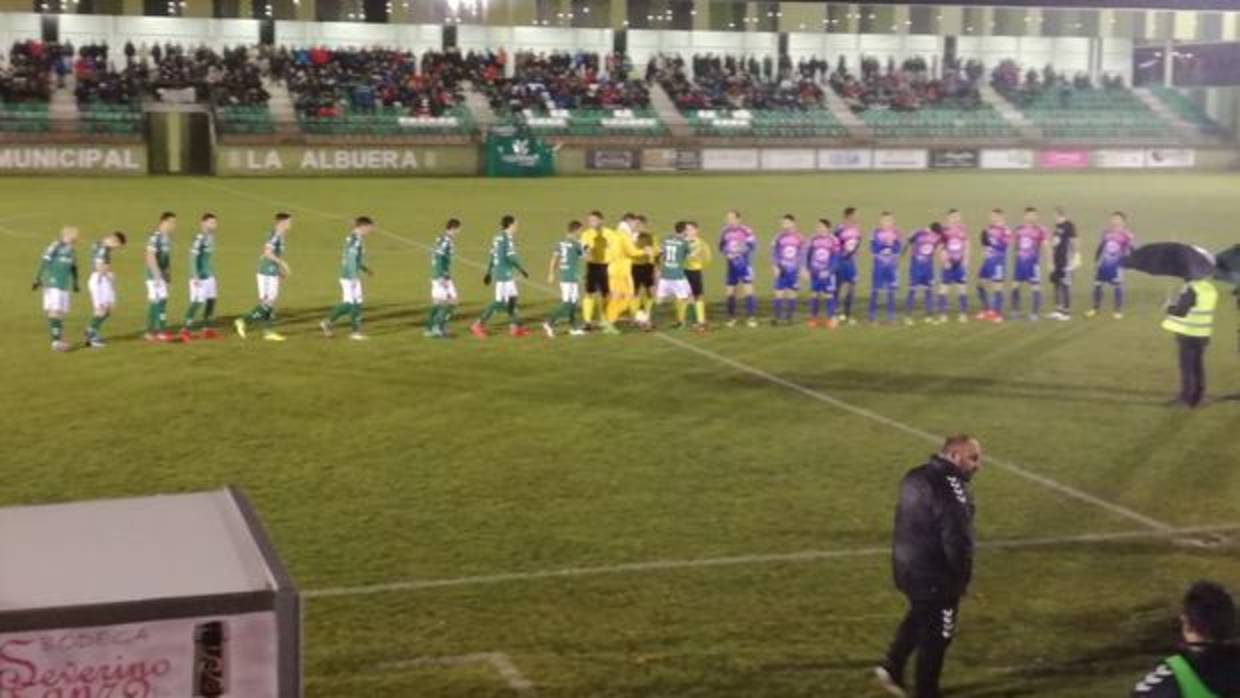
[786, 279]
[1027, 271]
[953, 273]
[739, 273]
[992, 269]
[845, 271]
[1109, 274]
[884, 278]
[921, 275]
[822, 282]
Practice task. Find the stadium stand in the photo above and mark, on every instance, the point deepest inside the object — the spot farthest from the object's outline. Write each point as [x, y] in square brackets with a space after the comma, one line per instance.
[1075, 110]
[578, 94]
[1188, 110]
[25, 88]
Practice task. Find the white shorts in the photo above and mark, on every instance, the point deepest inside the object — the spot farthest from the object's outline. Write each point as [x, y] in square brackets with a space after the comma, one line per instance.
[443, 291]
[102, 293]
[570, 291]
[350, 290]
[55, 300]
[268, 288]
[202, 290]
[673, 287]
[156, 290]
[505, 290]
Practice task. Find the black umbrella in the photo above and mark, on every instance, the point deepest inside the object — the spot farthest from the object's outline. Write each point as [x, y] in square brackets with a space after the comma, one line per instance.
[1228, 265]
[1171, 259]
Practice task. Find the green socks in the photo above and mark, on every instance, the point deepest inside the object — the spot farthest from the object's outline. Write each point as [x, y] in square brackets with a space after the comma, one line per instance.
[55, 328]
[190, 313]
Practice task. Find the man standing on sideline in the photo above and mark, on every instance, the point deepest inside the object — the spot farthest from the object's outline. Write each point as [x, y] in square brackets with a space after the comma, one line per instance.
[1208, 666]
[502, 265]
[102, 286]
[737, 243]
[594, 240]
[56, 275]
[1116, 244]
[1065, 259]
[932, 561]
[1191, 320]
[443, 289]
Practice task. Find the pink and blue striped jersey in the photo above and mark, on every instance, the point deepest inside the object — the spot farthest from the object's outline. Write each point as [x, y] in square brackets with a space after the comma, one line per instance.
[787, 250]
[1029, 241]
[737, 243]
[821, 256]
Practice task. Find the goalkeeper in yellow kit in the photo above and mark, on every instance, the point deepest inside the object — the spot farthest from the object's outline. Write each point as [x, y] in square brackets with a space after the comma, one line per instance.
[622, 250]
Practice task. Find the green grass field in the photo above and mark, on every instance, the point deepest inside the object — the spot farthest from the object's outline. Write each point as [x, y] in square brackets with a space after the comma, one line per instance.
[518, 486]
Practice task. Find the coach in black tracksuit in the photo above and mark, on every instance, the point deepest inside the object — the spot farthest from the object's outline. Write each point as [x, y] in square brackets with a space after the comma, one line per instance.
[932, 560]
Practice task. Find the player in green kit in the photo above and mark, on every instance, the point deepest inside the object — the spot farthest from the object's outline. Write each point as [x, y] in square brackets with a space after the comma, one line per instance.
[158, 264]
[271, 269]
[57, 275]
[352, 264]
[102, 286]
[202, 291]
[673, 283]
[566, 268]
[501, 265]
[443, 290]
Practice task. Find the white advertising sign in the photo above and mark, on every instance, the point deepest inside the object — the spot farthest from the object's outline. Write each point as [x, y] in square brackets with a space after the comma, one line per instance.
[1119, 158]
[1170, 157]
[730, 159]
[1007, 159]
[225, 656]
[845, 159]
[901, 159]
[788, 159]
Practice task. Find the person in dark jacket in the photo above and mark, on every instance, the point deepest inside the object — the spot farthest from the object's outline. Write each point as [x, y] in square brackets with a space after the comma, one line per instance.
[1208, 665]
[932, 562]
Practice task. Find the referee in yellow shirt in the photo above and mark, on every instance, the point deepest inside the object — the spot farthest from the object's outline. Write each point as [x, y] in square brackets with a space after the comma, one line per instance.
[595, 240]
[643, 269]
[700, 256]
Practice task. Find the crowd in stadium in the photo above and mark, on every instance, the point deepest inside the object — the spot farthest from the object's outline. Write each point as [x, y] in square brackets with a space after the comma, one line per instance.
[326, 83]
[730, 82]
[910, 86]
[1025, 87]
[25, 77]
[562, 80]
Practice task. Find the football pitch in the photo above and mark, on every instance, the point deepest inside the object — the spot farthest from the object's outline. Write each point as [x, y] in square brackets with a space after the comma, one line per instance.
[664, 514]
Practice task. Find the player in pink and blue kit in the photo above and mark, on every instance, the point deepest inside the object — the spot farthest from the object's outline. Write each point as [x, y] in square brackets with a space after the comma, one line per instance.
[738, 243]
[995, 238]
[922, 245]
[885, 245]
[820, 264]
[954, 257]
[1116, 244]
[848, 232]
[787, 255]
[1030, 239]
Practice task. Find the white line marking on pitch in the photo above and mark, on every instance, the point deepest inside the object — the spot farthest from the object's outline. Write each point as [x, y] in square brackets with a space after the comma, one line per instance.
[774, 558]
[1013, 468]
[500, 662]
[1020, 471]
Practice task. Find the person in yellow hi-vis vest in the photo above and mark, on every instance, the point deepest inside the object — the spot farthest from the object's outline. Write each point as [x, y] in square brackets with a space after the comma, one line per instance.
[1208, 665]
[1191, 320]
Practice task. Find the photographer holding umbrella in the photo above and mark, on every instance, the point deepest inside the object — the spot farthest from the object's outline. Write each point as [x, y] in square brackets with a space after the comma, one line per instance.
[1191, 317]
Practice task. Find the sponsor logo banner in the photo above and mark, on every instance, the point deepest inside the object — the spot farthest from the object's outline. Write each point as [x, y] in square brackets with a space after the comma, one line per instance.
[310, 161]
[1119, 158]
[688, 159]
[788, 159]
[730, 159]
[955, 159]
[611, 159]
[72, 159]
[845, 159]
[901, 159]
[1010, 159]
[669, 160]
[219, 656]
[1171, 157]
[1063, 159]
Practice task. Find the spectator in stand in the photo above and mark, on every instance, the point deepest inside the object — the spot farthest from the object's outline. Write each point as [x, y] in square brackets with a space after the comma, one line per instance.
[560, 80]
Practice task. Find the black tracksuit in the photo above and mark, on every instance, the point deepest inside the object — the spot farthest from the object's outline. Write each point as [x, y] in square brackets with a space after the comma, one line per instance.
[1192, 354]
[932, 562]
[1218, 667]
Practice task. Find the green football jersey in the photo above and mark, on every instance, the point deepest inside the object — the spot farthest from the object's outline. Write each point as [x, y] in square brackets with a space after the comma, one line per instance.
[504, 260]
[569, 253]
[351, 261]
[100, 256]
[674, 252]
[58, 266]
[441, 257]
[266, 267]
[200, 252]
[160, 246]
